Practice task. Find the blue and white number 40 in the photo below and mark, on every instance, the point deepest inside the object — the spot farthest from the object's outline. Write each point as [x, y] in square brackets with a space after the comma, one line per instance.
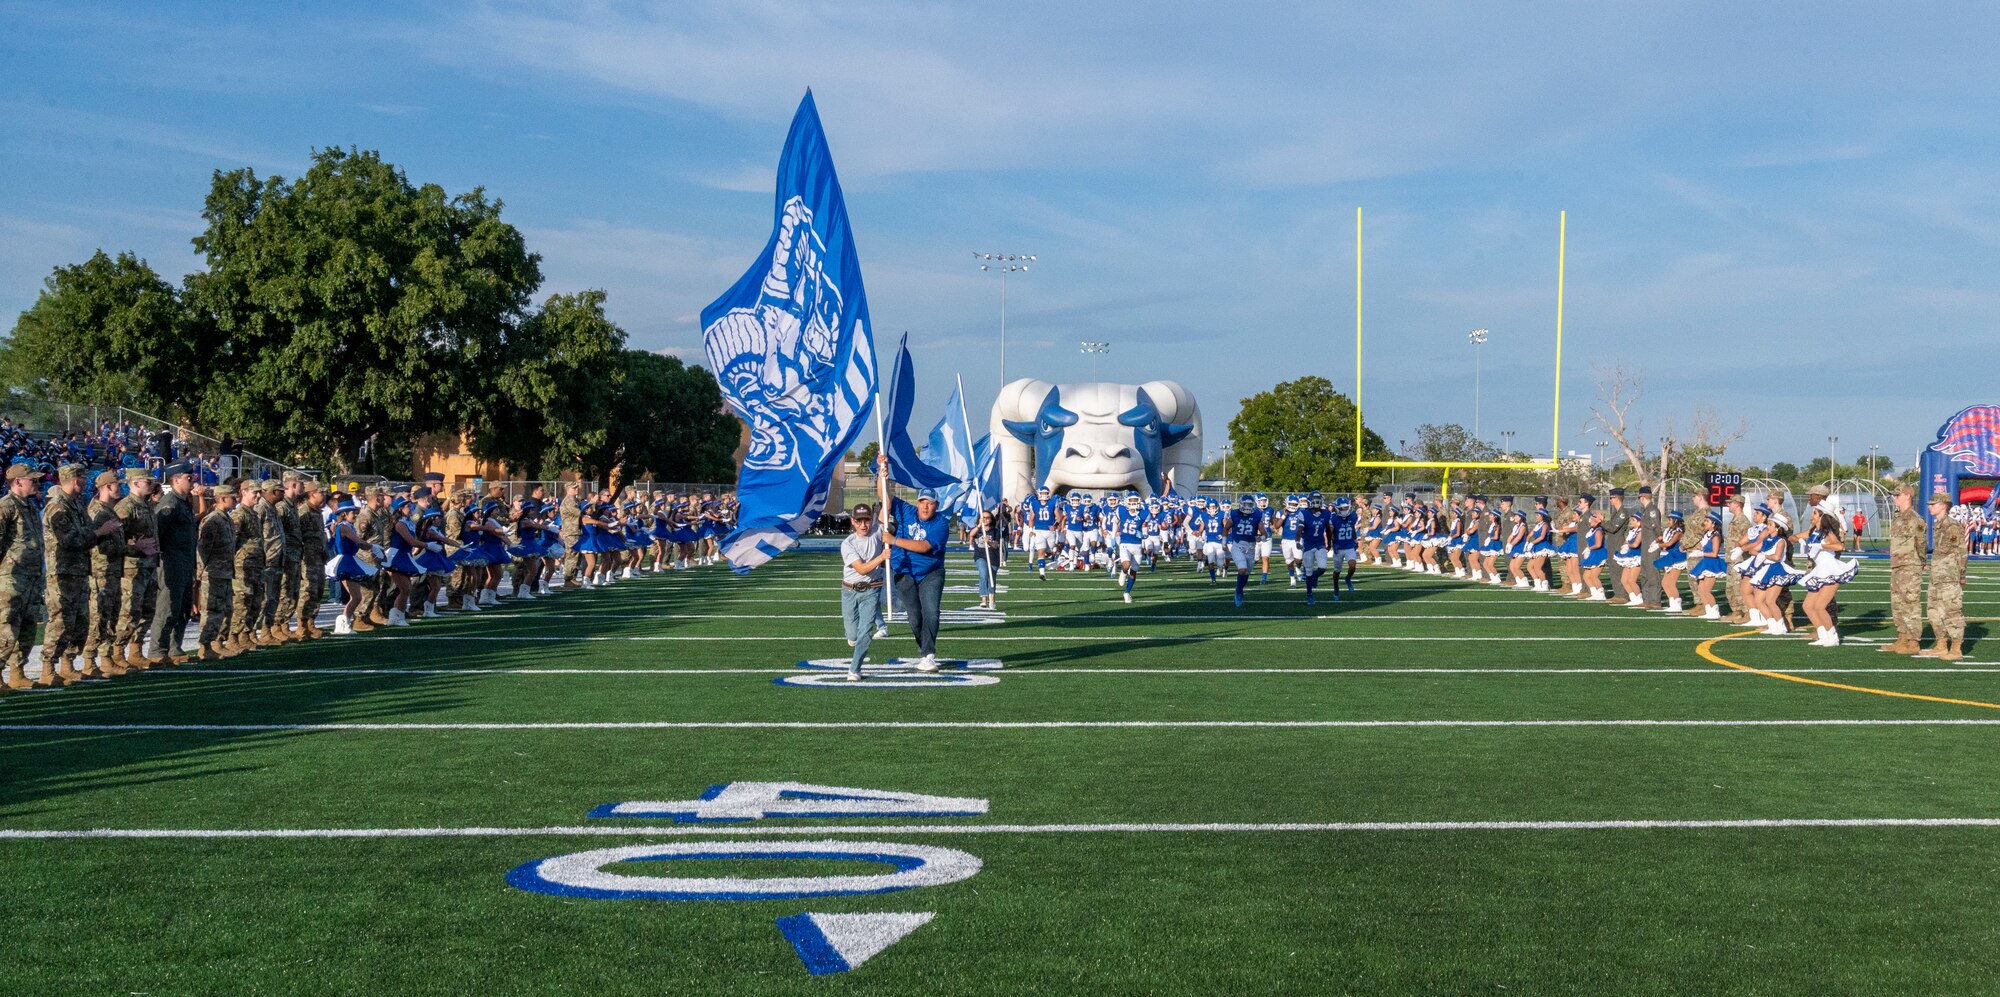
[741, 801]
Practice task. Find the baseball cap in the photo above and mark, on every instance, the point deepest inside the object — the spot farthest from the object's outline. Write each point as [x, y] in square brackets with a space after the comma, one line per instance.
[861, 510]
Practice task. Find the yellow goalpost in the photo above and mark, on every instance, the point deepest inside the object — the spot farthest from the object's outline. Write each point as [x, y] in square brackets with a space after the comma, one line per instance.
[1555, 437]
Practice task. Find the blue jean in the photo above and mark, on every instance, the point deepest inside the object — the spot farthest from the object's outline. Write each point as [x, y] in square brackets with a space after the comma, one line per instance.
[860, 616]
[986, 587]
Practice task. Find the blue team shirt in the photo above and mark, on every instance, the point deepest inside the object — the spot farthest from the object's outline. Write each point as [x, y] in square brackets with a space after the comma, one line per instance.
[1244, 525]
[1312, 528]
[1344, 530]
[1042, 514]
[1130, 526]
[1209, 526]
[937, 530]
[1290, 531]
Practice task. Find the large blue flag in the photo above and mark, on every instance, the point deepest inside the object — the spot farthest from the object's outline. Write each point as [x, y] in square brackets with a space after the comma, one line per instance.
[949, 448]
[906, 466]
[791, 346]
[981, 491]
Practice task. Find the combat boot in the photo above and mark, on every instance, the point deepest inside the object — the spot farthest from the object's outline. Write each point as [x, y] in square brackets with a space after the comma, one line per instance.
[109, 667]
[135, 656]
[361, 624]
[209, 653]
[376, 616]
[1951, 652]
[16, 678]
[1936, 648]
[226, 646]
[1902, 645]
[269, 638]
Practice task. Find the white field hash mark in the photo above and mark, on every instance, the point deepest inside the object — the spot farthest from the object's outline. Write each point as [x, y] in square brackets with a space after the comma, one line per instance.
[987, 725]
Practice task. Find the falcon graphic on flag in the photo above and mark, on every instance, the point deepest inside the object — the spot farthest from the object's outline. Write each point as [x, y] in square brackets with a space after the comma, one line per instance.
[791, 347]
[1972, 437]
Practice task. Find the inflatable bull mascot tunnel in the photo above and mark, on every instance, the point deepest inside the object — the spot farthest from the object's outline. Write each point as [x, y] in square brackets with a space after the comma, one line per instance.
[1099, 437]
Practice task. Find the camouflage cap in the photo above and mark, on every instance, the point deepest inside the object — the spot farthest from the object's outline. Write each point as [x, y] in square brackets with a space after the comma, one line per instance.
[273, 485]
[22, 471]
[225, 491]
[71, 472]
[315, 487]
[138, 474]
[1939, 497]
[1907, 489]
[105, 478]
[378, 489]
[291, 476]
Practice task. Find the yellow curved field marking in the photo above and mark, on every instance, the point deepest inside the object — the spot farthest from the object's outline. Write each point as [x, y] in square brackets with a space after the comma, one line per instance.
[1707, 650]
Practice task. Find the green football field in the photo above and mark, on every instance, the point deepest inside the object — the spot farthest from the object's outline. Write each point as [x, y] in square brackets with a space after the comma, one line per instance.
[1429, 786]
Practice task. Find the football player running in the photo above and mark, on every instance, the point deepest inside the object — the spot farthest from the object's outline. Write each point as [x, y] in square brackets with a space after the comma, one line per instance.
[1128, 525]
[1244, 525]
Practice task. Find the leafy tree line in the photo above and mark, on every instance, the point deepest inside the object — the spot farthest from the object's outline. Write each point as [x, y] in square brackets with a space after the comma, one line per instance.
[350, 303]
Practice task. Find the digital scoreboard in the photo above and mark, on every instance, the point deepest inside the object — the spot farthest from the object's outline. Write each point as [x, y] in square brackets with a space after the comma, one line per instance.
[1722, 485]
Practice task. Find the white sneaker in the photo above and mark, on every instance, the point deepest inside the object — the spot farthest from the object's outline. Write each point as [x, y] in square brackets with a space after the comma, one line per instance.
[1128, 597]
[853, 675]
[850, 643]
[630, 574]
[342, 626]
[468, 603]
[927, 663]
[397, 619]
[881, 632]
[430, 611]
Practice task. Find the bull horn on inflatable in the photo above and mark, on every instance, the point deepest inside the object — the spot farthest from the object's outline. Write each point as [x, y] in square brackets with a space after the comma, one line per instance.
[1097, 437]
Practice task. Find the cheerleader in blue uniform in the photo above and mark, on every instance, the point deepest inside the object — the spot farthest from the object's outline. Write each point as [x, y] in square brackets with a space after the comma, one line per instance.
[1756, 542]
[1515, 550]
[1490, 532]
[1540, 533]
[637, 539]
[344, 567]
[1568, 532]
[1672, 560]
[402, 562]
[1828, 573]
[1454, 528]
[430, 554]
[1709, 567]
[492, 539]
[1627, 558]
[471, 555]
[1591, 556]
[1774, 576]
[530, 546]
[591, 543]
[662, 509]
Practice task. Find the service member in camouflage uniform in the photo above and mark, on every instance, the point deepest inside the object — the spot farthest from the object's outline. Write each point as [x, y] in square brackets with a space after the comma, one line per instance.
[312, 558]
[1733, 537]
[20, 577]
[571, 511]
[216, 544]
[142, 565]
[68, 536]
[107, 578]
[380, 529]
[1650, 528]
[459, 583]
[1691, 542]
[1907, 539]
[248, 603]
[364, 528]
[290, 583]
[1948, 551]
[273, 522]
[1617, 519]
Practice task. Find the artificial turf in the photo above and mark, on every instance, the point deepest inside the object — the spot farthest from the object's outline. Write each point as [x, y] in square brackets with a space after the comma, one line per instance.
[1405, 701]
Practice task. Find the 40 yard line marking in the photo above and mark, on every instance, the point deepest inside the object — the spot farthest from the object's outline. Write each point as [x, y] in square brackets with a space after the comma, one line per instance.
[677, 831]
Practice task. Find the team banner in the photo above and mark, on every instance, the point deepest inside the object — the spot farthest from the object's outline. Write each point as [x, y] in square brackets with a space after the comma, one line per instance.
[791, 346]
[906, 466]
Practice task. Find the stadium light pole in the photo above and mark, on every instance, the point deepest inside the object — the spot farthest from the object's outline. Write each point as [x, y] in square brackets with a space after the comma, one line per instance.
[1004, 264]
[1095, 348]
[1872, 476]
[1477, 338]
[1507, 444]
[1831, 464]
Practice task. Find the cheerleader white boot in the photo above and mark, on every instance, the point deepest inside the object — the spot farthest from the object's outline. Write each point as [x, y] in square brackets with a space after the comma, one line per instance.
[486, 598]
[1636, 599]
[1521, 583]
[1674, 606]
[397, 619]
[468, 603]
[342, 626]
[1598, 595]
[1575, 588]
[1712, 612]
[1757, 618]
[1828, 637]
[1775, 628]
[629, 573]
[430, 611]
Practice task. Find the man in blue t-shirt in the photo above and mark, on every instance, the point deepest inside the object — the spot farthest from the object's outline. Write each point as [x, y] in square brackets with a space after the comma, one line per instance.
[917, 534]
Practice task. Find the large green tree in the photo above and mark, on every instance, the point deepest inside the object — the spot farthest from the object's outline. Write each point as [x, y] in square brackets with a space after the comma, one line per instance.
[1298, 436]
[669, 423]
[108, 331]
[351, 303]
[552, 399]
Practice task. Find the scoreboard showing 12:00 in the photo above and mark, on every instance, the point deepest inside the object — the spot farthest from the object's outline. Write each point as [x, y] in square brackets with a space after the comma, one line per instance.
[1722, 485]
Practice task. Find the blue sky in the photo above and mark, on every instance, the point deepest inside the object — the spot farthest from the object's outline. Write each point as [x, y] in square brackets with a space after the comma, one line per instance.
[1788, 213]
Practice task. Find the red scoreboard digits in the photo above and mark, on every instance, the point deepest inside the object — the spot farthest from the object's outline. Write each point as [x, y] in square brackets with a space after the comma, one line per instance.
[1722, 485]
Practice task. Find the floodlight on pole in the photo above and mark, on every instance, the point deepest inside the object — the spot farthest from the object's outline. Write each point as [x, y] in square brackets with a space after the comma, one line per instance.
[1095, 348]
[1832, 465]
[1872, 476]
[1004, 264]
[1477, 338]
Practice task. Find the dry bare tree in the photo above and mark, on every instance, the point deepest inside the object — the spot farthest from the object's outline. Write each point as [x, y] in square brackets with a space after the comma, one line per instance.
[1705, 441]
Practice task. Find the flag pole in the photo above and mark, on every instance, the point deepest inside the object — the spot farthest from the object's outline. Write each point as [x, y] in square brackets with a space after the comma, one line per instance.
[882, 493]
[972, 483]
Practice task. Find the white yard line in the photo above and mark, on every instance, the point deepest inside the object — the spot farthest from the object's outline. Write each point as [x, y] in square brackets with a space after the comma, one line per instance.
[674, 830]
[957, 638]
[977, 725]
[1167, 670]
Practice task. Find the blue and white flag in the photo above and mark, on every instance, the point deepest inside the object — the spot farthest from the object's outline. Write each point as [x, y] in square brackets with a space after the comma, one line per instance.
[792, 349]
[949, 449]
[981, 491]
[906, 466]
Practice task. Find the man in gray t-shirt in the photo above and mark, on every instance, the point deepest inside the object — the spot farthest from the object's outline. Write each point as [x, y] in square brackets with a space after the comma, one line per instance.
[862, 560]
